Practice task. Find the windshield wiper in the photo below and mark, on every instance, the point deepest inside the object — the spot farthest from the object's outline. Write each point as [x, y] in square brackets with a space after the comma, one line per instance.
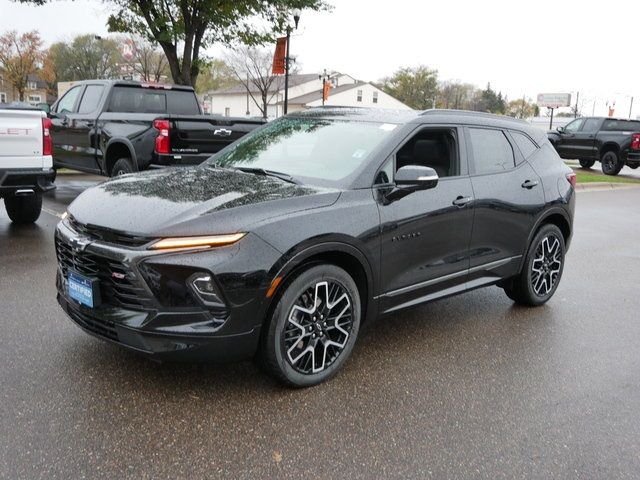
[268, 173]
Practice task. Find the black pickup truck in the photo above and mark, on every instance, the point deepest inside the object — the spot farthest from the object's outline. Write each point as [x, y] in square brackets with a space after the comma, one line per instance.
[113, 127]
[613, 142]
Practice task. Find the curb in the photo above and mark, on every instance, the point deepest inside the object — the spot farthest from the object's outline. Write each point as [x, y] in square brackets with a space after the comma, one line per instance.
[596, 186]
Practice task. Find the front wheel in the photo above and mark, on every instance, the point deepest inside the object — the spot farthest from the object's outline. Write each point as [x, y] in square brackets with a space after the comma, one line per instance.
[24, 208]
[611, 163]
[587, 163]
[313, 328]
[542, 270]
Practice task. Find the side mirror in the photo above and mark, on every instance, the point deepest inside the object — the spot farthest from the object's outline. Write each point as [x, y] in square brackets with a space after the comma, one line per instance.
[411, 178]
[560, 129]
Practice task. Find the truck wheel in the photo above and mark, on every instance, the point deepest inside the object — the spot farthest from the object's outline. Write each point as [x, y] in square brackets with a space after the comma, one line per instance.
[24, 209]
[587, 163]
[611, 163]
[122, 167]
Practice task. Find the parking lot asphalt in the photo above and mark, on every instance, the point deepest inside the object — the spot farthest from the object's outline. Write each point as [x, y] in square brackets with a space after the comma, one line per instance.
[467, 387]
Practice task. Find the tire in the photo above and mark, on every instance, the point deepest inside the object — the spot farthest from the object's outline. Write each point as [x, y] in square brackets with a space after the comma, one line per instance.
[24, 209]
[611, 163]
[293, 339]
[546, 254]
[122, 167]
[587, 163]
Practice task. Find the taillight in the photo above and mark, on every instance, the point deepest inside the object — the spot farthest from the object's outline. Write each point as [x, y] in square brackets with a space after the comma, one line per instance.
[163, 144]
[635, 141]
[572, 179]
[47, 143]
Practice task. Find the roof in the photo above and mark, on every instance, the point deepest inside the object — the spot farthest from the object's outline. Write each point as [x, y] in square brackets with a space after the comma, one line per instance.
[317, 95]
[133, 83]
[278, 84]
[459, 117]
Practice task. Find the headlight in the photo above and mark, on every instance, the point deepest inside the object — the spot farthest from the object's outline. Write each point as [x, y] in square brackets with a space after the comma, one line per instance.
[64, 215]
[197, 242]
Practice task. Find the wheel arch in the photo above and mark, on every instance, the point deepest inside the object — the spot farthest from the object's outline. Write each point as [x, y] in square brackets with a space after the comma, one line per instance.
[118, 148]
[343, 255]
[609, 147]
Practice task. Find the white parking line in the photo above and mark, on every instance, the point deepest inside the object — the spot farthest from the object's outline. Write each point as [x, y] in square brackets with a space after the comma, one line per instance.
[52, 212]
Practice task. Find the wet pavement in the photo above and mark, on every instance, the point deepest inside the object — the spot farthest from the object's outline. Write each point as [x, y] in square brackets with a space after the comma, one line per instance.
[468, 387]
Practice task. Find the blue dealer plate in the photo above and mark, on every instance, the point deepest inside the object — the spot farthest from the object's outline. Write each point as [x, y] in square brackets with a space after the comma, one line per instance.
[83, 290]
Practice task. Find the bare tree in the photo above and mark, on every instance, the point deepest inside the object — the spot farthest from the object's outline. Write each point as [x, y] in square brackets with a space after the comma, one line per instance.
[251, 67]
[145, 59]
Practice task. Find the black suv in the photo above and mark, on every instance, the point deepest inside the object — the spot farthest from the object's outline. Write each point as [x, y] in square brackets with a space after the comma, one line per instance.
[283, 245]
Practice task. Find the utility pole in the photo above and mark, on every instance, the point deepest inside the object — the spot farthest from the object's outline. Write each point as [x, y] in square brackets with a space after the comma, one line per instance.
[631, 108]
[575, 112]
[551, 121]
[287, 61]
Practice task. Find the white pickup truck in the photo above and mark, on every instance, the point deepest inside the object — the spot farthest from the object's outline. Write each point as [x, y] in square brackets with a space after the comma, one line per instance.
[26, 163]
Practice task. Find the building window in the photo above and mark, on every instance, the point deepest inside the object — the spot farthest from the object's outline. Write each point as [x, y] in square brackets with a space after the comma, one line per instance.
[227, 112]
[359, 96]
[3, 97]
[375, 97]
[32, 85]
[1, 80]
[35, 99]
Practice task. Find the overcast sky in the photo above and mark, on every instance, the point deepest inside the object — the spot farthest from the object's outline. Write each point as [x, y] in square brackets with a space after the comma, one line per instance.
[523, 47]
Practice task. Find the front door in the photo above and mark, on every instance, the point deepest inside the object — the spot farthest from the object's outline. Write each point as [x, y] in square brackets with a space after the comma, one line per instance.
[566, 146]
[425, 235]
[63, 151]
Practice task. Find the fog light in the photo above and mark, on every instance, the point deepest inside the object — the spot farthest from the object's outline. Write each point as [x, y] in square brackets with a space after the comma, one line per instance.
[204, 287]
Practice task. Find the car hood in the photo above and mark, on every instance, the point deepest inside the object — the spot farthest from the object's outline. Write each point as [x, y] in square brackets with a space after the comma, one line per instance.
[193, 201]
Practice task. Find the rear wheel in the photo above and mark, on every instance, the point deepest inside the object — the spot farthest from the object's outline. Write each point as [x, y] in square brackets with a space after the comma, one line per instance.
[587, 163]
[611, 163]
[122, 167]
[542, 270]
[24, 208]
[313, 328]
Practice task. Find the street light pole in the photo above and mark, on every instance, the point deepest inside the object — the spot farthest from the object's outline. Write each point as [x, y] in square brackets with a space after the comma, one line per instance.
[287, 61]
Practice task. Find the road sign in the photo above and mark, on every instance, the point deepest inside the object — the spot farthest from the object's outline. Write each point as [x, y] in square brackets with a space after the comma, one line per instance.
[554, 100]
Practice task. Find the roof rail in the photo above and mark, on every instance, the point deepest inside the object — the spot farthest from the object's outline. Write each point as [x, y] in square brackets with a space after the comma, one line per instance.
[469, 113]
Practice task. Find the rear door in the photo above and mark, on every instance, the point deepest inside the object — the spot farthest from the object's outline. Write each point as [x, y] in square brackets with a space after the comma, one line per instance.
[508, 196]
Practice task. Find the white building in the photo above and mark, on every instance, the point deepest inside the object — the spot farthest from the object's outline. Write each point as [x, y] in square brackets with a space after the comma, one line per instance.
[305, 91]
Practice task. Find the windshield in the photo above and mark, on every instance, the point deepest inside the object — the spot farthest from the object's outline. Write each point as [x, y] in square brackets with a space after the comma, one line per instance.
[311, 148]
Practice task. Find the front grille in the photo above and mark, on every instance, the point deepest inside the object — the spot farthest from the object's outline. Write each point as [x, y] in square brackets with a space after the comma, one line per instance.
[119, 285]
[101, 327]
[107, 235]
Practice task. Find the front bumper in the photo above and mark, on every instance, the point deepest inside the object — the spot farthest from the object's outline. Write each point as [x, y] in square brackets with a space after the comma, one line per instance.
[28, 179]
[133, 317]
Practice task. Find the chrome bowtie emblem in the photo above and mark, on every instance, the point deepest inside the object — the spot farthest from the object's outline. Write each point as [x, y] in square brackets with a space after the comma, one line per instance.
[79, 244]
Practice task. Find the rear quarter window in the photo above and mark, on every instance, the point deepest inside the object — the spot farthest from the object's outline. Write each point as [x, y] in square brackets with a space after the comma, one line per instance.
[524, 143]
[621, 126]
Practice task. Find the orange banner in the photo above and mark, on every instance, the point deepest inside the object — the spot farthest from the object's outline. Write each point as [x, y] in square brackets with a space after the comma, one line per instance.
[326, 88]
[279, 57]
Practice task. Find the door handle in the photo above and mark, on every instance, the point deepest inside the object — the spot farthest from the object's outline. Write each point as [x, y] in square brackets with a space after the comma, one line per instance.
[529, 184]
[462, 201]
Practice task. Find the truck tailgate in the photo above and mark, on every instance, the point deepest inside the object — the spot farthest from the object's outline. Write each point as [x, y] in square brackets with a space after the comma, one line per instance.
[21, 139]
[198, 135]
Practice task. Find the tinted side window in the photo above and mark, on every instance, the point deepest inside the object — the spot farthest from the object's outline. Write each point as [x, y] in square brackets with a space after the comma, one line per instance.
[182, 103]
[591, 125]
[574, 126]
[137, 100]
[621, 126]
[90, 99]
[492, 151]
[524, 143]
[68, 101]
[431, 148]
